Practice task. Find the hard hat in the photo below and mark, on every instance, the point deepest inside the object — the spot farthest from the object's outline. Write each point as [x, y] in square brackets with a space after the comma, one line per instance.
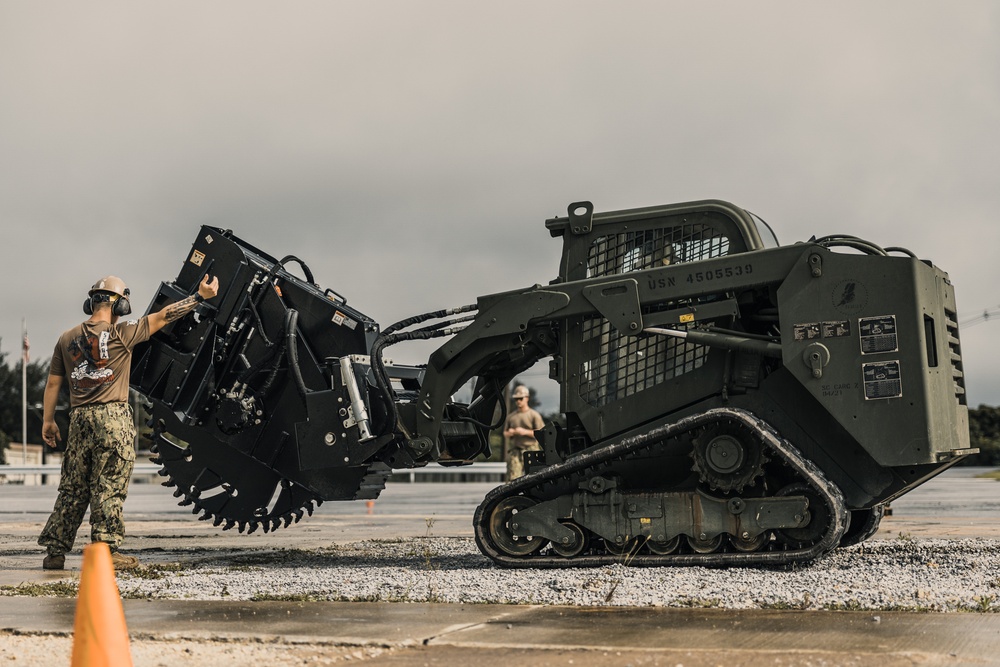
[102, 291]
[520, 392]
[110, 284]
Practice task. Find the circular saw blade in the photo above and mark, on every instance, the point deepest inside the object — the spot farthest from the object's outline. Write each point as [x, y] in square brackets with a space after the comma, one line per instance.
[230, 488]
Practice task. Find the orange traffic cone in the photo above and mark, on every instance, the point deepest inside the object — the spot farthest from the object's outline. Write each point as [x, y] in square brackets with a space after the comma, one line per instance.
[370, 505]
[100, 637]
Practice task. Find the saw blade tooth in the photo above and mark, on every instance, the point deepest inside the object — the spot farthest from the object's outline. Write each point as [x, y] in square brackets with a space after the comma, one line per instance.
[205, 516]
[195, 509]
[218, 521]
[252, 527]
[319, 501]
[187, 501]
[168, 483]
[243, 526]
[266, 525]
[275, 523]
[153, 447]
[162, 472]
[287, 519]
[309, 508]
[155, 459]
[178, 492]
[298, 515]
[229, 524]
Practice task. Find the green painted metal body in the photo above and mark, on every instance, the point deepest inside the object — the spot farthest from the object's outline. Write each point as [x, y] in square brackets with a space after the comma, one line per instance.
[869, 382]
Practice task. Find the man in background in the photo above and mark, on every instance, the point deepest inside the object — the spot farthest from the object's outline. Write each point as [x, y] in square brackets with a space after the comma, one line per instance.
[520, 432]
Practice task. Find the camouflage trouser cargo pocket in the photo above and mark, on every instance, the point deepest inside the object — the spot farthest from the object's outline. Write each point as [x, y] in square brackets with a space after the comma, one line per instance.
[515, 460]
[97, 466]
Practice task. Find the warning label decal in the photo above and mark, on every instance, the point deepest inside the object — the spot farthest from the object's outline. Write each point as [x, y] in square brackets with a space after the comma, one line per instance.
[807, 331]
[837, 329]
[343, 320]
[878, 334]
[882, 380]
[811, 330]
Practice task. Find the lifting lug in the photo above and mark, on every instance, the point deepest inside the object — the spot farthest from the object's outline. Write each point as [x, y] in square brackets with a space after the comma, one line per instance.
[816, 265]
[581, 217]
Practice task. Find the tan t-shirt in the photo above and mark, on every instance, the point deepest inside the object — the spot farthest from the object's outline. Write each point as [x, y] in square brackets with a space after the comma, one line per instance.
[527, 419]
[97, 359]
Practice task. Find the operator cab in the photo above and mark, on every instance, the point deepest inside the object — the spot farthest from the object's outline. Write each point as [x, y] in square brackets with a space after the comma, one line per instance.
[767, 235]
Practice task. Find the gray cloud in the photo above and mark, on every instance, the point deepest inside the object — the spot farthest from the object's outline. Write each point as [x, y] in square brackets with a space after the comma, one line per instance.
[410, 152]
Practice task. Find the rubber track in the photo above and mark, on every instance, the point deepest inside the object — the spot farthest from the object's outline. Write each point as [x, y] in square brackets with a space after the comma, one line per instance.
[781, 448]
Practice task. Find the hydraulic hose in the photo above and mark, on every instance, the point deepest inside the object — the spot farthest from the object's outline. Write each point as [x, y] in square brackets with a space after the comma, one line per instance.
[437, 314]
[274, 356]
[292, 258]
[291, 344]
[378, 366]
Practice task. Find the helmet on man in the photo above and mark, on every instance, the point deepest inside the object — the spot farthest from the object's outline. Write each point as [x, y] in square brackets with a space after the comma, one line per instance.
[112, 284]
[111, 289]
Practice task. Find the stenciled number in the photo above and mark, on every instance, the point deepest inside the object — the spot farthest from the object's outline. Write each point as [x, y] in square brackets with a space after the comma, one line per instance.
[719, 274]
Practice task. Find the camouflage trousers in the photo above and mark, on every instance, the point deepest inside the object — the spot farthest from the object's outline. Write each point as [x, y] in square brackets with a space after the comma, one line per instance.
[515, 460]
[97, 465]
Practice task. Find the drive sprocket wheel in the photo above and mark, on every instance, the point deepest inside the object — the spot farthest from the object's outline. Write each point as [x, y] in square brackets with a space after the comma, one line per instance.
[727, 458]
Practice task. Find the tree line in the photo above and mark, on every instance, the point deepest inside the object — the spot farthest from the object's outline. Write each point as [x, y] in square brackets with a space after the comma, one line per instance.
[984, 421]
[984, 433]
[10, 402]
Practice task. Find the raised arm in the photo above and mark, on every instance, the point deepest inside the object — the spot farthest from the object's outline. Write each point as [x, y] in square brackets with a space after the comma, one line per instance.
[175, 311]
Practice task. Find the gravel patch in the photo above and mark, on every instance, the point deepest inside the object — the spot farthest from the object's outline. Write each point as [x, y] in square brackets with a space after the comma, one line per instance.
[904, 574]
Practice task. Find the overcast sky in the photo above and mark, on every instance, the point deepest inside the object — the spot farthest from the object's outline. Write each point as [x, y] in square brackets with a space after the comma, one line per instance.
[410, 152]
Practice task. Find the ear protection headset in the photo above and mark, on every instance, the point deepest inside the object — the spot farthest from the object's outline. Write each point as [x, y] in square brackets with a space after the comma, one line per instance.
[112, 289]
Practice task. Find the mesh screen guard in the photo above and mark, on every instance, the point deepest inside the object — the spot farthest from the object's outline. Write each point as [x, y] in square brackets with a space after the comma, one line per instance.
[625, 365]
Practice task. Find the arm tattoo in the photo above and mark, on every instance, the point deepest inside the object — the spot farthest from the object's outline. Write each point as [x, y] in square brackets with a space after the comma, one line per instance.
[176, 311]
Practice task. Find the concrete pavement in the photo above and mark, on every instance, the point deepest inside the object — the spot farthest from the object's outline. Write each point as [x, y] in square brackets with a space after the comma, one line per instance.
[590, 636]
[402, 634]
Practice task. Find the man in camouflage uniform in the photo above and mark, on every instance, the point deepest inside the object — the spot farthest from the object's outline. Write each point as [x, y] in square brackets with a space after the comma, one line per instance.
[520, 432]
[96, 356]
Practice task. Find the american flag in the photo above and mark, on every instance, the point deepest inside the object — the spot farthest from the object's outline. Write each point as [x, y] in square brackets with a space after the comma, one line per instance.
[25, 346]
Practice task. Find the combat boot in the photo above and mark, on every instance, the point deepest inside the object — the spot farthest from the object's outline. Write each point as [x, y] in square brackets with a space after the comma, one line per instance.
[123, 562]
[54, 562]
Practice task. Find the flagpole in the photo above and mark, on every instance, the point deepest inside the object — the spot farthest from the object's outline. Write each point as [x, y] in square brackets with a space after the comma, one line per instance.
[24, 393]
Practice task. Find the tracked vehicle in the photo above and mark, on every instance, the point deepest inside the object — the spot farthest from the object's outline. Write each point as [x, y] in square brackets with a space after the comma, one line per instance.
[725, 400]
